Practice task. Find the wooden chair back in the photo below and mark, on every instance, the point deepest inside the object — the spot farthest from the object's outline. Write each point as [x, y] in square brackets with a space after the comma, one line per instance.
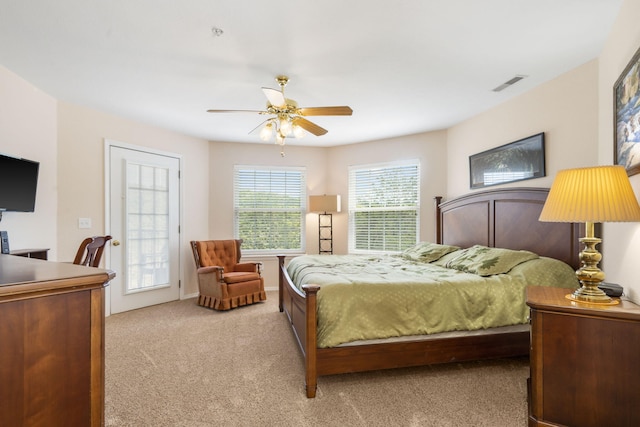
[90, 251]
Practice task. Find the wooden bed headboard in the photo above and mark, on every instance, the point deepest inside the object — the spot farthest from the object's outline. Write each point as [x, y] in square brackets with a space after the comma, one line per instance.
[507, 218]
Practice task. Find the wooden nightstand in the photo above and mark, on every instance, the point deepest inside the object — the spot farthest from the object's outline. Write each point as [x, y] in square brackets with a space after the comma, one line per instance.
[584, 361]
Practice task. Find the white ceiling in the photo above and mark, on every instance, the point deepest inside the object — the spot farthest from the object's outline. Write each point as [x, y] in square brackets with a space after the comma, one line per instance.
[405, 66]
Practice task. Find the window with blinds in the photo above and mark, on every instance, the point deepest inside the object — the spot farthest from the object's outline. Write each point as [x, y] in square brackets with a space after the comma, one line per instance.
[384, 202]
[269, 208]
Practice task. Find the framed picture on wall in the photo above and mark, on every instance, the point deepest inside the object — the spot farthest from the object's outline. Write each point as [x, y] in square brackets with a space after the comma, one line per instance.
[516, 161]
[626, 120]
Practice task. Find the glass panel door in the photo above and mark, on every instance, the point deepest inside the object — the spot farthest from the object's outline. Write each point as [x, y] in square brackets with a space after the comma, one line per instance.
[147, 227]
[144, 207]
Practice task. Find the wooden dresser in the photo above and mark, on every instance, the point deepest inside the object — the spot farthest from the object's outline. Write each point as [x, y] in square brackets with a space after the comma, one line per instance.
[51, 343]
[584, 362]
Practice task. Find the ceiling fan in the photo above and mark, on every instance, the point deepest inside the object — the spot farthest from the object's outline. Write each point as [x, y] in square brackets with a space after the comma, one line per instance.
[288, 119]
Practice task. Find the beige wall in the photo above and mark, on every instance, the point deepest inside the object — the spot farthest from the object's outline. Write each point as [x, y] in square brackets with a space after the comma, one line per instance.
[327, 173]
[621, 242]
[429, 148]
[28, 126]
[224, 156]
[81, 141]
[565, 109]
[576, 113]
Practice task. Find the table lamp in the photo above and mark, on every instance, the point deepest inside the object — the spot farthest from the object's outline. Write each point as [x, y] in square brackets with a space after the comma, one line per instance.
[591, 195]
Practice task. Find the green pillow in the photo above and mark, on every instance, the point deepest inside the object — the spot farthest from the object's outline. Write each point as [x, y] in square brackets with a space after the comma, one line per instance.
[427, 252]
[485, 261]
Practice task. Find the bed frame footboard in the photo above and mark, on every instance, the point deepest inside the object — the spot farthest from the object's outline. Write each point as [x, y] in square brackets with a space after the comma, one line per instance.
[301, 312]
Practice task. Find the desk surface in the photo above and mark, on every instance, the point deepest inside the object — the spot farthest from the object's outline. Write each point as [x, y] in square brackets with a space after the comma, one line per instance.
[19, 275]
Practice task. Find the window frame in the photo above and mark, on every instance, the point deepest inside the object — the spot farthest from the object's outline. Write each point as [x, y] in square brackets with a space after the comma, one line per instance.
[353, 209]
[301, 209]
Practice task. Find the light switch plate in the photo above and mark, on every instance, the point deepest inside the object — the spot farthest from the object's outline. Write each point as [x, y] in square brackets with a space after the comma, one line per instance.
[84, 222]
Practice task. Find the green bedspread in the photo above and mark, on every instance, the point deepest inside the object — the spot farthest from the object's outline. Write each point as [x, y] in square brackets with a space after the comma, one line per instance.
[368, 297]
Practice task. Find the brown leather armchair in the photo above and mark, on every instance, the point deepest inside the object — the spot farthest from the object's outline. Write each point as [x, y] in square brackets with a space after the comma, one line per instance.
[225, 283]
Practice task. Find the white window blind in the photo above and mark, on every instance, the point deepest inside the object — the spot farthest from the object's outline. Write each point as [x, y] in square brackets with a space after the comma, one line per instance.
[384, 202]
[269, 208]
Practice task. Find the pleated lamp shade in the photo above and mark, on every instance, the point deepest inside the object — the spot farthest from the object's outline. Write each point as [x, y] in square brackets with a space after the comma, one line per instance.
[594, 194]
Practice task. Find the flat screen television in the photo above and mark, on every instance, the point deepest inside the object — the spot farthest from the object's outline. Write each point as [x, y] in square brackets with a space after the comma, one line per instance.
[18, 184]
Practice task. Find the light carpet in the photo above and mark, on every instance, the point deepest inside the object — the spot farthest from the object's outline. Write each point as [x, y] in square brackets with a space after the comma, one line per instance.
[178, 364]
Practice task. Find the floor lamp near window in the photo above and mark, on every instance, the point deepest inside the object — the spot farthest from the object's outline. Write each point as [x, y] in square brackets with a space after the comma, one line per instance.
[325, 205]
[591, 195]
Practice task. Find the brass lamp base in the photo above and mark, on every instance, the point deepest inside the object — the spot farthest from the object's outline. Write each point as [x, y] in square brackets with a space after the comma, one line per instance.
[588, 296]
[589, 275]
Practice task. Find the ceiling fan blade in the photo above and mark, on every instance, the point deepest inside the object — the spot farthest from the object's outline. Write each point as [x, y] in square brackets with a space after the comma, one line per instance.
[326, 111]
[236, 111]
[309, 126]
[275, 97]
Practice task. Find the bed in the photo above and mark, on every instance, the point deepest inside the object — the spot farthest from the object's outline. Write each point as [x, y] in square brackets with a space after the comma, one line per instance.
[499, 218]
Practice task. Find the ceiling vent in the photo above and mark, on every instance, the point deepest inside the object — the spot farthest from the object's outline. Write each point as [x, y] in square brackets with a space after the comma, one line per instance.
[508, 83]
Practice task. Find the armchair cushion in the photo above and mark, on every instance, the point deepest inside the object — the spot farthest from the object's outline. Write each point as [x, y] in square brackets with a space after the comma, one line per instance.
[251, 267]
[235, 277]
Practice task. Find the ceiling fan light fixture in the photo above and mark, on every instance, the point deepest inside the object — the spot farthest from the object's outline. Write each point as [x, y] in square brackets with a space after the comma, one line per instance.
[285, 126]
[298, 132]
[266, 132]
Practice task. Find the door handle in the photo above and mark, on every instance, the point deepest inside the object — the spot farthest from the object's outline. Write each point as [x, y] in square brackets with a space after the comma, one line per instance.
[116, 243]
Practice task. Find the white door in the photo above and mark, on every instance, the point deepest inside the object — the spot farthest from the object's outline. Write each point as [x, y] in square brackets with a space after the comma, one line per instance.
[144, 211]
